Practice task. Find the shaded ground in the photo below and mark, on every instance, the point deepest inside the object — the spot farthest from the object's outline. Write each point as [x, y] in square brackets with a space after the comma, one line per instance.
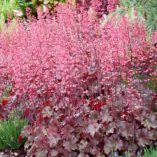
[10, 153]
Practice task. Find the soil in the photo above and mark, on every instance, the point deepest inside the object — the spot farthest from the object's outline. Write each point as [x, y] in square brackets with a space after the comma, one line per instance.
[12, 153]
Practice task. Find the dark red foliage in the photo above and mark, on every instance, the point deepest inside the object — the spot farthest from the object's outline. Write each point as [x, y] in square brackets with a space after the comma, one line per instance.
[97, 104]
[20, 139]
[4, 101]
[27, 112]
[39, 120]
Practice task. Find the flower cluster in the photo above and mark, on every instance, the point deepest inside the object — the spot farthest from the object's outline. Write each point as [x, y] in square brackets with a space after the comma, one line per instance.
[112, 5]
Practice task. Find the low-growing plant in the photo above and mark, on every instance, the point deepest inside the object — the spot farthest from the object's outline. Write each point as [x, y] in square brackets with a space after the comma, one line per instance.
[9, 9]
[150, 152]
[10, 130]
[152, 83]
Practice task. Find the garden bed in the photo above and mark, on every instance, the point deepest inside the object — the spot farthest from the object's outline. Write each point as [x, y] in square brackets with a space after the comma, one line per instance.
[80, 81]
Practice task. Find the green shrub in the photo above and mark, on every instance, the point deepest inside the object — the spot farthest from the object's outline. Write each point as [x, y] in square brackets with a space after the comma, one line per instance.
[151, 152]
[146, 11]
[11, 9]
[17, 8]
[50, 4]
[152, 84]
[10, 131]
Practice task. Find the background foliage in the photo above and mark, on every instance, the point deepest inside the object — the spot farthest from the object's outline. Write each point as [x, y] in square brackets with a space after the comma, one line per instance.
[145, 10]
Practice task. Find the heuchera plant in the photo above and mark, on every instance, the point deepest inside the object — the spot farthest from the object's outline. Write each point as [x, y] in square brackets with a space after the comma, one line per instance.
[81, 84]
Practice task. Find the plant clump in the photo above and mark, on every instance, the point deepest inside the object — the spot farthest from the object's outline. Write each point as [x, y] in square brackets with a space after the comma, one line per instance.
[81, 81]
